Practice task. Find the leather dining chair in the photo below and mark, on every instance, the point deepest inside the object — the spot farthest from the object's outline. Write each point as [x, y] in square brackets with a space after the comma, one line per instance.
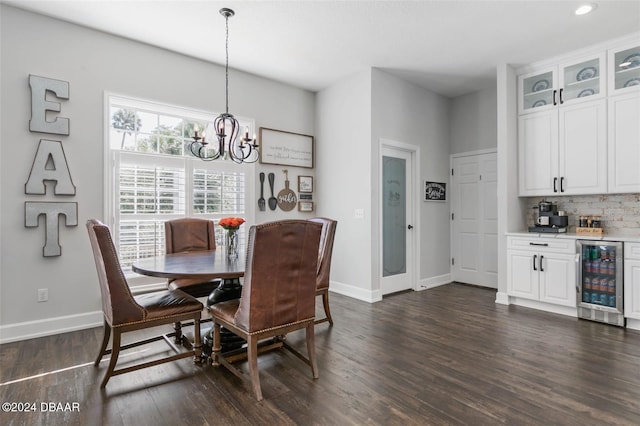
[324, 264]
[278, 295]
[191, 234]
[124, 312]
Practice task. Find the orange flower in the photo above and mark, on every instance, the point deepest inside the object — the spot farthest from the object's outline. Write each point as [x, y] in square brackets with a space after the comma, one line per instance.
[231, 223]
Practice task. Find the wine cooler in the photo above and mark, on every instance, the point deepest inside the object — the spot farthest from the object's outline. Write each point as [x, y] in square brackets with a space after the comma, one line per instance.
[600, 282]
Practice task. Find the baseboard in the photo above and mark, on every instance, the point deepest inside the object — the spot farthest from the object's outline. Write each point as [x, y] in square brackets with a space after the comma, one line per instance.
[50, 326]
[547, 307]
[502, 298]
[372, 296]
[355, 292]
[633, 324]
[432, 282]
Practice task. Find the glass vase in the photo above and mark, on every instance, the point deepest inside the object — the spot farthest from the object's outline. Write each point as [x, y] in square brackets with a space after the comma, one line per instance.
[232, 244]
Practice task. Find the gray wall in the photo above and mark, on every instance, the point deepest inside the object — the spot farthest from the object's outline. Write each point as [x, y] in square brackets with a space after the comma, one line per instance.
[473, 121]
[344, 177]
[353, 116]
[94, 62]
[407, 113]
[348, 122]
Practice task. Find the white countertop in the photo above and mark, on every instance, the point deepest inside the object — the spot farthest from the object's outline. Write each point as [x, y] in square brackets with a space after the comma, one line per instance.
[574, 236]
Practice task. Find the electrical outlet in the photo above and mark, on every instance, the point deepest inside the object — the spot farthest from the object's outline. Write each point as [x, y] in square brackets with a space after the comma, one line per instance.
[43, 294]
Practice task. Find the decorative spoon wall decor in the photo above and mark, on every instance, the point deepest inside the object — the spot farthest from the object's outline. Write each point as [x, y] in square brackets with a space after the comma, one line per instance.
[273, 203]
[286, 198]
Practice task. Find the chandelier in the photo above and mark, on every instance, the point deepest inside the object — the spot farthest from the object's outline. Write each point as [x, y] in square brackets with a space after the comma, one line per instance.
[225, 126]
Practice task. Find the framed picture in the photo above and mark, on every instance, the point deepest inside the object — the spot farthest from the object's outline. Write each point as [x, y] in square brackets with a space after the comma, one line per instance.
[435, 191]
[285, 148]
[305, 206]
[305, 183]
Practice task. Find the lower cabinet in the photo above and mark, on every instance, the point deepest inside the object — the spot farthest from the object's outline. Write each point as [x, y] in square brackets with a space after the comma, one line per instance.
[542, 269]
[632, 280]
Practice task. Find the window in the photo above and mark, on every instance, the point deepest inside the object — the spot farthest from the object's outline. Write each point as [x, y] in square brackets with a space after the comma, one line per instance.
[153, 177]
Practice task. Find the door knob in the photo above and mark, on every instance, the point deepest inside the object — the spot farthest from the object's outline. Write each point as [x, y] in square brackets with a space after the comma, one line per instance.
[410, 227]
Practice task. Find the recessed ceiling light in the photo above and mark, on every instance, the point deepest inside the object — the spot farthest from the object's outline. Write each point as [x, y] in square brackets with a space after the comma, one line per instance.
[585, 8]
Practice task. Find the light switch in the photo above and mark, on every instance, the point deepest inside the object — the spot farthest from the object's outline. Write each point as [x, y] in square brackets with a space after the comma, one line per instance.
[358, 214]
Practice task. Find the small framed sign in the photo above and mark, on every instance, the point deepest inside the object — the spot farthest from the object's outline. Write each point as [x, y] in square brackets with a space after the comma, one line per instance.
[435, 191]
[305, 183]
[305, 206]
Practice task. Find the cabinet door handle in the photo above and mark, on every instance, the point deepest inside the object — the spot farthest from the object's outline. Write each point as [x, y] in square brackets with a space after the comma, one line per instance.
[539, 244]
[535, 256]
[554, 97]
[555, 184]
[561, 101]
[562, 184]
[541, 257]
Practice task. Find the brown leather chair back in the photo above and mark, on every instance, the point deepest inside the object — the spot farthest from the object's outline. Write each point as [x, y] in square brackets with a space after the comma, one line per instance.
[325, 250]
[280, 275]
[118, 304]
[189, 234]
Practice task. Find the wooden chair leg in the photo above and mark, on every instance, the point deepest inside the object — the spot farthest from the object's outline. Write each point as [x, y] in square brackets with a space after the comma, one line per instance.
[217, 347]
[311, 349]
[197, 342]
[105, 341]
[325, 303]
[177, 327]
[115, 351]
[252, 358]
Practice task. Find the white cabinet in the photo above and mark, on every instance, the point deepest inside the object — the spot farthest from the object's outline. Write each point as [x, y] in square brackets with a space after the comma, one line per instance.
[632, 280]
[562, 133]
[624, 69]
[571, 82]
[624, 142]
[563, 150]
[542, 269]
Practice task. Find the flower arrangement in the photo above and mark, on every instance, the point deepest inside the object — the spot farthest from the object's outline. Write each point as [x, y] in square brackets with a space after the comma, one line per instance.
[231, 225]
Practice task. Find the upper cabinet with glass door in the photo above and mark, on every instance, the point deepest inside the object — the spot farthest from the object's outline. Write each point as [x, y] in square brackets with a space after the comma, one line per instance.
[568, 83]
[582, 80]
[537, 90]
[624, 69]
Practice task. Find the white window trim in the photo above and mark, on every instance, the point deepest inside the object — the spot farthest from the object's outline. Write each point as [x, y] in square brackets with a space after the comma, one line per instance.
[145, 283]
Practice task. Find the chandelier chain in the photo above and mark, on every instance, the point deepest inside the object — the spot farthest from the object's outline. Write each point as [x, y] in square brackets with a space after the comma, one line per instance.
[226, 69]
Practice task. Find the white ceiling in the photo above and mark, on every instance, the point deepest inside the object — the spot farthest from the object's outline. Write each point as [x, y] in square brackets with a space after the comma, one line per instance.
[449, 47]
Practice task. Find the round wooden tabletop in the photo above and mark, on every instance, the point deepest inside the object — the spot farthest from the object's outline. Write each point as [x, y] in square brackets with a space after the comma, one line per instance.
[196, 264]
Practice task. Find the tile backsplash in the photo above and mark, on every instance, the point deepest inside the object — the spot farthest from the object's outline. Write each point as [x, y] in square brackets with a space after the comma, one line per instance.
[620, 213]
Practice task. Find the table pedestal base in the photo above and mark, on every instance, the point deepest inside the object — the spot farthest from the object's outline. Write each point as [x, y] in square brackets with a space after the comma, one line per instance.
[229, 289]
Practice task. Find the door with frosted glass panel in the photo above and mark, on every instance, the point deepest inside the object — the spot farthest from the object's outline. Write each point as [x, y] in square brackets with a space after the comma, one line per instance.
[397, 207]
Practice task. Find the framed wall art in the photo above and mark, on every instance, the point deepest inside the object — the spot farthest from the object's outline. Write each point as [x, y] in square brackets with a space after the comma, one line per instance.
[305, 206]
[285, 148]
[435, 191]
[305, 183]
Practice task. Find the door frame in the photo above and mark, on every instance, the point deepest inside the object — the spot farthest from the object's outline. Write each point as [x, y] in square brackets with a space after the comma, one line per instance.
[414, 210]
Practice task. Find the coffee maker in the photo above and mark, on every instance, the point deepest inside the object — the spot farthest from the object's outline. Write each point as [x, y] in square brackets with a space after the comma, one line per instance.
[549, 219]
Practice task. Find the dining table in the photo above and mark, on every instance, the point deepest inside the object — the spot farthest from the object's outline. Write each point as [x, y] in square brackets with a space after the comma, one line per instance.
[205, 265]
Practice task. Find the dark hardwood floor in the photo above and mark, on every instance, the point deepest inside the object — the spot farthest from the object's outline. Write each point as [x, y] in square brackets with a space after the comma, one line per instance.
[449, 355]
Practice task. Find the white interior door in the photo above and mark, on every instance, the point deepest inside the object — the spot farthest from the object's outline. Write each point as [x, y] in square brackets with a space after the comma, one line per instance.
[397, 220]
[474, 225]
